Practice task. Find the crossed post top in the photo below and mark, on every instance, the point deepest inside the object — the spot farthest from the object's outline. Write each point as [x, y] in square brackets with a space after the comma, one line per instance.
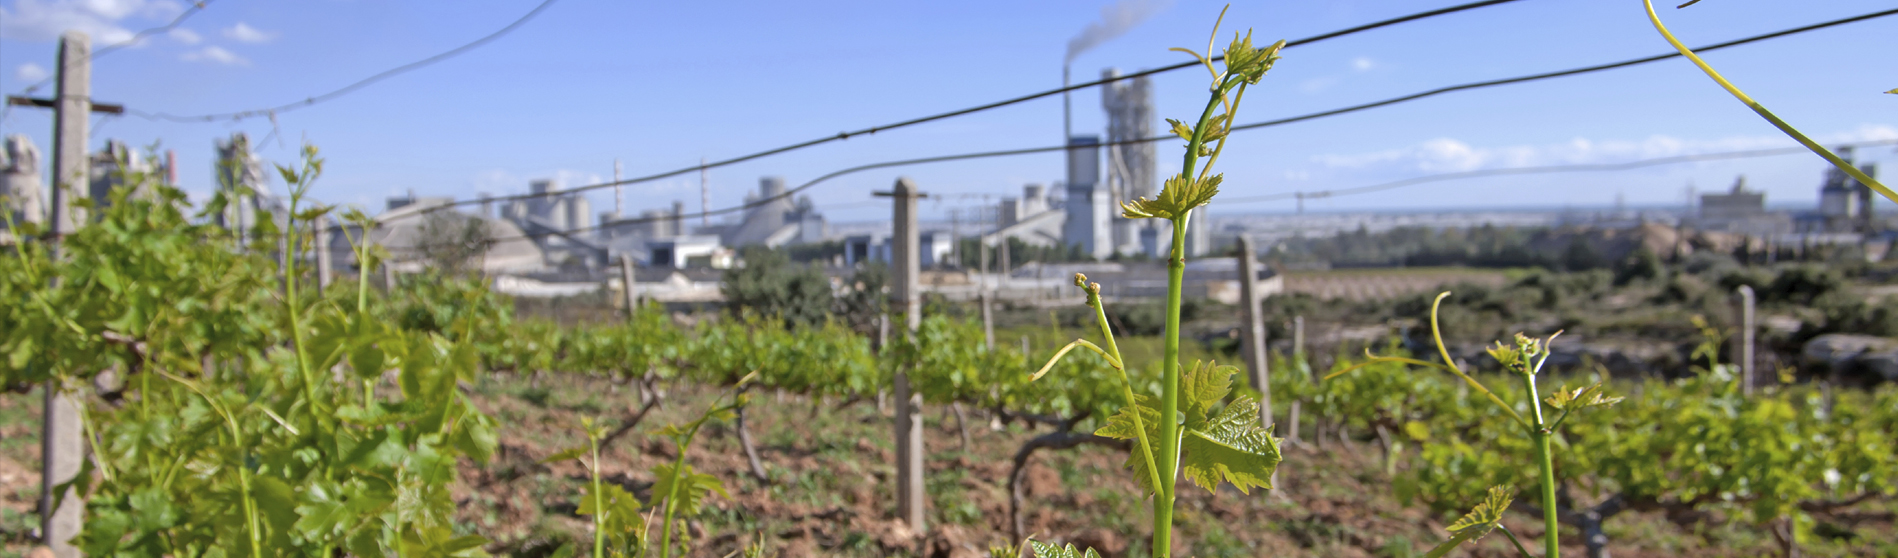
[904, 188]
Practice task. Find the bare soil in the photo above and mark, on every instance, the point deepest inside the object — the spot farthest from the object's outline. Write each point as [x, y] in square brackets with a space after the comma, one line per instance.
[830, 494]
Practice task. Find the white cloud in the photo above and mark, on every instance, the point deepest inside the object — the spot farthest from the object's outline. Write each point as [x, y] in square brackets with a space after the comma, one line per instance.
[30, 72]
[1362, 63]
[1317, 85]
[102, 20]
[216, 54]
[573, 178]
[185, 36]
[1453, 155]
[245, 33]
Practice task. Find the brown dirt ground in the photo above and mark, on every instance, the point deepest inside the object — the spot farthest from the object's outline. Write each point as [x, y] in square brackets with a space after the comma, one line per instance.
[830, 491]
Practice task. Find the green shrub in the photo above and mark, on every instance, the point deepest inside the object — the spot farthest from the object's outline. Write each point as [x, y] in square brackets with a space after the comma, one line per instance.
[770, 285]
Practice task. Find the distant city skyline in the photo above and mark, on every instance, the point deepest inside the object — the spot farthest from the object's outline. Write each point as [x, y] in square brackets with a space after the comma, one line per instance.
[662, 86]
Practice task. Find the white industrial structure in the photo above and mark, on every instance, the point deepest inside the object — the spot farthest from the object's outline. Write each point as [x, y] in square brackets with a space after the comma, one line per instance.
[20, 183]
[774, 219]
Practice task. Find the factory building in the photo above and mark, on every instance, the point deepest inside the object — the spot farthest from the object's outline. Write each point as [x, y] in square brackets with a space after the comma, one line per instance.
[774, 219]
[1132, 171]
[1740, 211]
[25, 198]
[1090, 208]
[1845, 205]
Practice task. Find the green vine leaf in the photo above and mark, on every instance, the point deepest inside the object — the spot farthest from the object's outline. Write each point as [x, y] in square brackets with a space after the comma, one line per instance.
[1204, 385]
[568, 454]
[1186, 132]
[1480, 521]
[1046, 550]
[440, 542]
[692, 487]
[1580, 398]
[622, 509]
[1178, 196]
[1231, 447]
[1120, 426]
[1250, 63]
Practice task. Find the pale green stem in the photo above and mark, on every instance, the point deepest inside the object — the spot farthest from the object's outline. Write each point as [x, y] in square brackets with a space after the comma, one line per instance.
[292, 243]
[1231, 111]
[599, 501]
[1788, 129]
[1551, 538]
[1170, 396]
[250, 509]
[1126, 384]
[672, 497]
[1512, 540]
[243, 468]
[92, 437]
[1436, 331]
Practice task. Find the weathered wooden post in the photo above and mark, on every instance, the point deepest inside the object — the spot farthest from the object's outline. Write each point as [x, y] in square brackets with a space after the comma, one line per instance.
[1298, 336]
[905, 251]
[1003, 260]
[1298, 351]
[62, 442]
[982, 287]
[626, 285]
[1743, 346]
[321, 241]
[1257, 358]
[1298, 354]
[1253, 341]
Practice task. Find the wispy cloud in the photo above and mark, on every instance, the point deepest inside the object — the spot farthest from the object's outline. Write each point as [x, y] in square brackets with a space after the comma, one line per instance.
[1363, 63]
[1116, 19]
[245, 33]
[102, 20]
[1453, 155]
[185, 36]
[30, 72]
[1314, 86]
[216, 54]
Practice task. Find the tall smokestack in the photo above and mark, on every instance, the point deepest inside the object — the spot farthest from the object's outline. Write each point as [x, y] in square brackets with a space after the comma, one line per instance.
[1115, 19]
[1067, 109]
[678, 218]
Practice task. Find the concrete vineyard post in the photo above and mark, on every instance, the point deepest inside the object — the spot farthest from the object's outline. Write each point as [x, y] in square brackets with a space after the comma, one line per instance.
[905, 251]
[1298, 350]
[1253, 341]
[62, 442]
[1258, 360]
[1298, 335]
[1743, 349]
[626, 287]
[988, 315]
[321, 241]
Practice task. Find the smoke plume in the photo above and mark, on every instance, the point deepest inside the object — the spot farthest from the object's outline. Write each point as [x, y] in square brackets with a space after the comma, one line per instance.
[1116, 19]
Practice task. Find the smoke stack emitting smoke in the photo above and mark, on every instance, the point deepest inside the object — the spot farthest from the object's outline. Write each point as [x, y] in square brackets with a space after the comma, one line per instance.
[1115, 20]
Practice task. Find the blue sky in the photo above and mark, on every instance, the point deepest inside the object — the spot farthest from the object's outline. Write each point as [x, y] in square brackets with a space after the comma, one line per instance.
[661, 85]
